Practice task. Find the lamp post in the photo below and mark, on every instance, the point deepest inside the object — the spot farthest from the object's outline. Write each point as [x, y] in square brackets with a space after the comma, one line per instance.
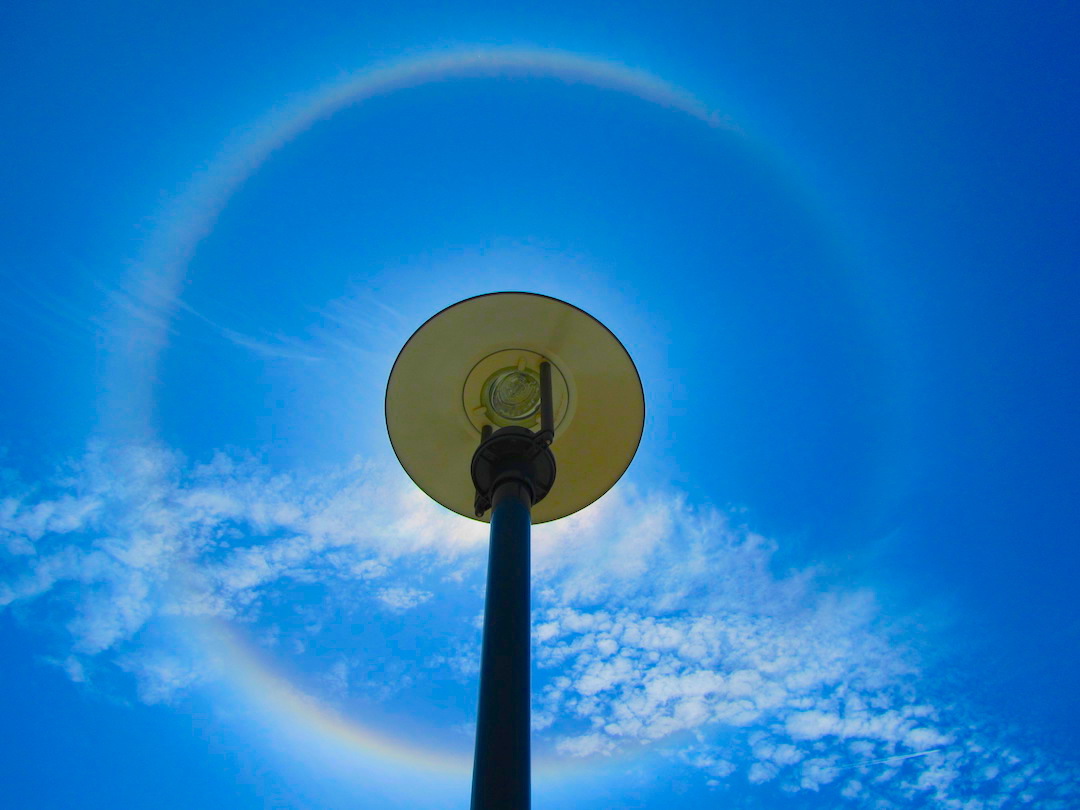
[476, 399]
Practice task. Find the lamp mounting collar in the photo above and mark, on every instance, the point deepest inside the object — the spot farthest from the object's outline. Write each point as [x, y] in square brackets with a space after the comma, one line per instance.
[512, 454]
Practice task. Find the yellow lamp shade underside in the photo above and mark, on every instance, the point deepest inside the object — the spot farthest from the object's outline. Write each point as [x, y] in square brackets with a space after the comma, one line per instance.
[435, 398]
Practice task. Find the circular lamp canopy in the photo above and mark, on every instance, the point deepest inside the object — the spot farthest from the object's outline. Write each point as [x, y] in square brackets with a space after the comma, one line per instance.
[477, 364]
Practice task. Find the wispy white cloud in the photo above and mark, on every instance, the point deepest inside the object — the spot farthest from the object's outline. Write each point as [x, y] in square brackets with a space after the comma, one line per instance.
[145, 536]
[657, 622]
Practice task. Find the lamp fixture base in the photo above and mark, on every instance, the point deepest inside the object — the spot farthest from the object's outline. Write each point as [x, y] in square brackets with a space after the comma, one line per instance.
[512, 454]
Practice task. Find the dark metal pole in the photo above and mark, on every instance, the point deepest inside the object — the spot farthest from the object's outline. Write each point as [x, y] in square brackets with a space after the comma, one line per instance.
[501, 779]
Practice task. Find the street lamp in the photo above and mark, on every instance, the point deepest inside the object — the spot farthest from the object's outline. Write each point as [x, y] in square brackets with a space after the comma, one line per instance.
[487, 386]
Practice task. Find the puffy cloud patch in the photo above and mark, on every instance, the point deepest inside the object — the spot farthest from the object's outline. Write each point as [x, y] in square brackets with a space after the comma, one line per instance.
[806, 685]
[401, 598]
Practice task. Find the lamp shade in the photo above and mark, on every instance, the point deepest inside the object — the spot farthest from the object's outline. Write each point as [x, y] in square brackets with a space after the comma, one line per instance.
[477, 363]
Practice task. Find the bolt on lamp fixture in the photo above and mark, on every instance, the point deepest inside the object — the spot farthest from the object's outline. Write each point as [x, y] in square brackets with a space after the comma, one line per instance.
[479, 401]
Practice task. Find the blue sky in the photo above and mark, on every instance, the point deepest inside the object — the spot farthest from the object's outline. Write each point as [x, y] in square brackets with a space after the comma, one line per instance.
[838, 241]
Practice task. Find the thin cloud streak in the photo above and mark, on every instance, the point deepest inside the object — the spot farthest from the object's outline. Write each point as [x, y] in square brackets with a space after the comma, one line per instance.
[898, 758]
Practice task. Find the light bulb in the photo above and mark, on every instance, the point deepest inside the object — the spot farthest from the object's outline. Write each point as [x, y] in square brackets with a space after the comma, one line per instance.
[515, 394]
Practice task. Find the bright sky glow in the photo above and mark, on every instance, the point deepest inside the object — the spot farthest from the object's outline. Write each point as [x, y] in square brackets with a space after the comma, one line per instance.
[837, 573]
